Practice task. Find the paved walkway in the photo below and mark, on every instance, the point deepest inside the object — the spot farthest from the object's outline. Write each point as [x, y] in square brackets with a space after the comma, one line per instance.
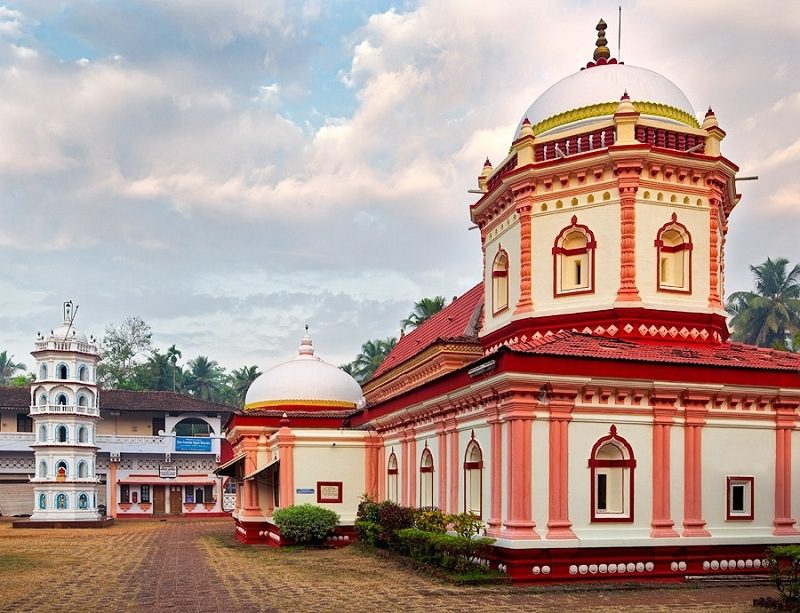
[198, 566]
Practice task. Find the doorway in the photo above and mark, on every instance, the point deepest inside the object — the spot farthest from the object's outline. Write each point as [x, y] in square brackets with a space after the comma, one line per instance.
[175, 499]
[159, 500]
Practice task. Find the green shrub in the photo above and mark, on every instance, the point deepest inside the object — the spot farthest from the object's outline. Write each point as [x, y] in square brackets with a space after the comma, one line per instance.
[430, 519]
[466, 524]
[369, 532]
[455, 553]
[306, 524]
[785, 564]
[368, 509]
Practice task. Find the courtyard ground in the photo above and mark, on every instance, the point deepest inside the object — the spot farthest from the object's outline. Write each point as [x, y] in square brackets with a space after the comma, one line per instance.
[181, 565]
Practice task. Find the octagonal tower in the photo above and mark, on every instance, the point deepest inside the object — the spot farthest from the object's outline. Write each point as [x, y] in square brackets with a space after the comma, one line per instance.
[65, 411]
[609, 214]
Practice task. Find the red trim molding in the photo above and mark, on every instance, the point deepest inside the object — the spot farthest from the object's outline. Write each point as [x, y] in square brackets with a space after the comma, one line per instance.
[329, 496]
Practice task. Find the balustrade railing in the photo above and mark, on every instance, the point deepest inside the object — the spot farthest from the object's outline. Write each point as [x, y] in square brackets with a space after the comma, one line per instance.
[65, 409]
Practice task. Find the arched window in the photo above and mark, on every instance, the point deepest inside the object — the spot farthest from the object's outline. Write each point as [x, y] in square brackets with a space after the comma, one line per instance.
[83, 501]
[42, 501]
[61, 470]
[82, 402]
[473, 479]
[674, 256]
[61, 501]
[42, 400]
[62, 371]
[193, 427]
[612, 464]
[198, 495]
[500, 282]
[43, 372]
[392, 479]
[42, 433]
[573, 260]
[43, 469]
[61, 434]
[83, 435]
[83, 469]
[426, 479]
[83, 373]
[61, 399]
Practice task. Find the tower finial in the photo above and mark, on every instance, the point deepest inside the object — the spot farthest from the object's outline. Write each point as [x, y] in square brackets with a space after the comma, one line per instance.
[601, 50]
[306, 345]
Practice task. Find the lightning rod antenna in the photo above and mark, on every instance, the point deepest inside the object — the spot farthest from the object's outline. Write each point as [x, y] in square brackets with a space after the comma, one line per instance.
[619, 34]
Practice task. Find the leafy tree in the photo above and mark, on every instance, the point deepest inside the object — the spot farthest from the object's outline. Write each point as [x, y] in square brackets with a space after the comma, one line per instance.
[155, 374]
[205, 379]
[770, 316]
[22, 380]
[372, 354]
[8, 367]
[423, 310]
[240, 381]
[123, 348]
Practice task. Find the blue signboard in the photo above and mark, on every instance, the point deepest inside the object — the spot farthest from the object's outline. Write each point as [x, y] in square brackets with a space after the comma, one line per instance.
[305, 490]
[193, 443]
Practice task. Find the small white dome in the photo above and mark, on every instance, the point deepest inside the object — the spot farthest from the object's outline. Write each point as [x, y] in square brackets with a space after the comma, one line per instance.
[68, 333]
[605, 83]
[306, 380]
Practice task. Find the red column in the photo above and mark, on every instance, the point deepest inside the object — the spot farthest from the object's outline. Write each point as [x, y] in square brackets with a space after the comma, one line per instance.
[496, 485]
[523, 199]
[561, 403]
[372, 444]
[695, 411]
[664, 410]
[518, 412]
[250, 508]
[785, 419]
[628, 182]
[382, 474]
[441, 467]
[455, 463]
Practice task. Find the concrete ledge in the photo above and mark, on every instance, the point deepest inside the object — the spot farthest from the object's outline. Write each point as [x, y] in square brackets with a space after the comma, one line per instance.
[82, 523]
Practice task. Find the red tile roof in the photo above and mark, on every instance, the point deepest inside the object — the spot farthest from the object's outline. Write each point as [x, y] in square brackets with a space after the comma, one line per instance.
[458, 321]
[14, 398]
[730, 355]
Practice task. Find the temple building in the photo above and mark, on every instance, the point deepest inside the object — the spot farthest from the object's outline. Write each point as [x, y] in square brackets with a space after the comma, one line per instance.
[583, 398]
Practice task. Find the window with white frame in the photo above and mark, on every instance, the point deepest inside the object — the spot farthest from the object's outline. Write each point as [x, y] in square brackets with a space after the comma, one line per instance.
[500, 282]
[573, 265]
[392, 476]
[612, 467]
[740, 498]
[674, 246]
[473, 479]
[426, 479]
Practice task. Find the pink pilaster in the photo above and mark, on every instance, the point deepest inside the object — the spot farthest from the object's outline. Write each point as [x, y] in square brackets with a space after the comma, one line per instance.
[523, 201]
[372, 444]
[664, 410]
[250, 507]
[412, 470]
[382, 472]
[785, 420]
[628, 172]
[695, 411]
[496, 511]
[286, 471]
[442, 468]
[455, 468]
[562, 402]
[518, 412]
[404, 471]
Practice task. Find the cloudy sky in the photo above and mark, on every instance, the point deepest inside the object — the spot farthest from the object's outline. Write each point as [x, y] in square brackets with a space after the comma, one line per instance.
[230, 170]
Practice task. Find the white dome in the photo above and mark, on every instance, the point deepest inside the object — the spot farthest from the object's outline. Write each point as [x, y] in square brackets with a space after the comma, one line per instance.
[68, 333]
[605, 83]
[305, 380]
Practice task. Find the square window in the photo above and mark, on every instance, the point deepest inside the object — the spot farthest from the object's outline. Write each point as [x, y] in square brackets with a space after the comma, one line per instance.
[740, 498]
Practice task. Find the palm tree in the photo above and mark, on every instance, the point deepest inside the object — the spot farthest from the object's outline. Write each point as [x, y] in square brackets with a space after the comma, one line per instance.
[424, 309]
[241, 379]
[205, 378]
[8, 367]
[372, 354]
[769, 316]
[173, 353]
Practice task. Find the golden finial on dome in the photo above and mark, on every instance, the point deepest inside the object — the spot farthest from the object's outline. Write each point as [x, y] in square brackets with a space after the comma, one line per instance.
[602, 50]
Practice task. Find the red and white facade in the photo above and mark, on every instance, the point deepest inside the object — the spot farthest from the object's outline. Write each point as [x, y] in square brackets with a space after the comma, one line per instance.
[583, 399]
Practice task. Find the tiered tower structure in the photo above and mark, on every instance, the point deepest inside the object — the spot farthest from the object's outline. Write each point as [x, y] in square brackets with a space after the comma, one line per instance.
[65, 411]
[609, 214]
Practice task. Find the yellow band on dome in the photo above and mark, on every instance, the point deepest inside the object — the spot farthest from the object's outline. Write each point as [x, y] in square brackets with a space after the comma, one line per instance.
[262, 404]
[608, 108]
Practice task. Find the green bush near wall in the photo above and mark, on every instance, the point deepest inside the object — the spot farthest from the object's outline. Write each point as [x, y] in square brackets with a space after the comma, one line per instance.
[306, 524]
